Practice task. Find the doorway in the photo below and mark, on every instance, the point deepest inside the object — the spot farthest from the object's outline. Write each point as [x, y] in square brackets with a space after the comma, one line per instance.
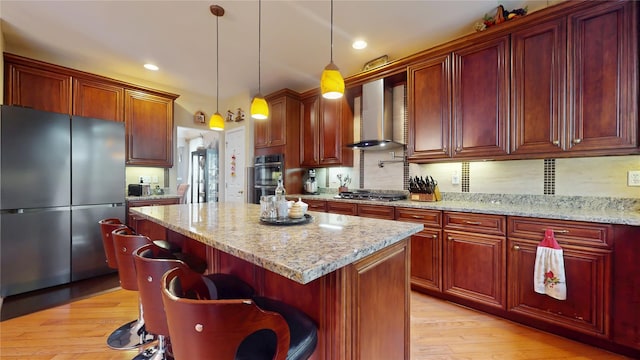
[190, 140]
[234, 165]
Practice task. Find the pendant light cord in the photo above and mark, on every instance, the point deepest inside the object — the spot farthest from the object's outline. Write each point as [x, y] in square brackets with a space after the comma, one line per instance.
[217, 64]
[331, 30]
[259, 46]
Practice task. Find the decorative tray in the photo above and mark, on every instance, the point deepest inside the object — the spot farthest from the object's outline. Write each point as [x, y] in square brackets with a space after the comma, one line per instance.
[288, 221]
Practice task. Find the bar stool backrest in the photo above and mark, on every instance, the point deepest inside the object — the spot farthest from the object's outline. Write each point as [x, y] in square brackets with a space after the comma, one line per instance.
[126, 242]
[106, 227]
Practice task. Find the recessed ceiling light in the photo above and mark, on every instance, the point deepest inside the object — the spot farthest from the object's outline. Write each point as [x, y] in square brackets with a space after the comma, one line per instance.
[359, 44]
[151, 67]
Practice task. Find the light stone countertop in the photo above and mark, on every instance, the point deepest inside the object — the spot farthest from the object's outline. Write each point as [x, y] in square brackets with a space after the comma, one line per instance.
[301, 253]
[153, 197]
[576, 208]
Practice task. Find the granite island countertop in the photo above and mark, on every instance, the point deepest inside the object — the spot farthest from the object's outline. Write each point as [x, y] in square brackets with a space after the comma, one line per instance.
[576, 208]
[301, 253]
[153, 197]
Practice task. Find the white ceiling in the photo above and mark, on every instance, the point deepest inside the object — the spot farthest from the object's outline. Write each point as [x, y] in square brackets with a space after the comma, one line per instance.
[115, 38]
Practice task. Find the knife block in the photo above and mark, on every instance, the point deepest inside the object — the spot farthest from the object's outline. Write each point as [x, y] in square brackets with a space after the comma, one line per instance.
[436, 196]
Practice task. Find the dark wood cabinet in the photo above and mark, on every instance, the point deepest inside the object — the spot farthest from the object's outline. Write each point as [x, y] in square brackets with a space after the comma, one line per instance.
[326, 127]
[37, 87]
[474, 259]
[376, 211]
[603, 78]
[626, 287]
[149, 124]
[426, 249]
[147, 113]
[538, 88]
[98, 99]
[481, 99]
[429, 108]
[344, 208]
[284, 113]
[587, 264]
[316, 205]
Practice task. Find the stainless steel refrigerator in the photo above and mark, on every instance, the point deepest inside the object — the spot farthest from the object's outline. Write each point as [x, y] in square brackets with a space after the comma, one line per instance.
[58, 177]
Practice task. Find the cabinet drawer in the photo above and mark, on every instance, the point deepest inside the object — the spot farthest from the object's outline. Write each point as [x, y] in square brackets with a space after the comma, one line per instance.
[344, 208]
[475, 223]
[566, 232]
[316, 205]
[377, 211]
[430, 218]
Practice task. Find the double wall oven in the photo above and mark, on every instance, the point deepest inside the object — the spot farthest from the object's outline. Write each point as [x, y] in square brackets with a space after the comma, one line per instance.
[267, 170]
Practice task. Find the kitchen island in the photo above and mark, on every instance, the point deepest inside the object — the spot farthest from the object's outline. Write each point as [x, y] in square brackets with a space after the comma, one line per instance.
[350, 274]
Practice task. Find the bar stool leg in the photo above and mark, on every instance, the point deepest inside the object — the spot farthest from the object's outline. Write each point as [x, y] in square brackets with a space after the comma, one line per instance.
[131, 335]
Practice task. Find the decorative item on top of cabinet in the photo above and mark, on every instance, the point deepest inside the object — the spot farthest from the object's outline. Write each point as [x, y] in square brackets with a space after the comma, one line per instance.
[474, 258]
[326, 127]
[149, 123]
[426, 249]
[587, 264]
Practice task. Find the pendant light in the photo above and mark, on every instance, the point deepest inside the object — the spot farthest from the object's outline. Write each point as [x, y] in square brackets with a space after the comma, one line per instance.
[259, 107]
[216, 122]
[331, 81]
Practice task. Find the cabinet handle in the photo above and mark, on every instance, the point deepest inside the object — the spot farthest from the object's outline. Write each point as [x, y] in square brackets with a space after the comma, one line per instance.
[516, 247]
[444, 149]
[458, 149]
[556, 142]
[577, 141]
[417, 217]
[558, 231]
[434, 236]
[473, 222]
[450, 238]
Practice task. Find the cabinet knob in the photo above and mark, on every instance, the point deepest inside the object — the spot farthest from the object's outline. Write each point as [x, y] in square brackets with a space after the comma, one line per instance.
[449, 238]
[556, 142]
[577, 141]
[473, 222]
[516, 247]
[458, 149]
[434, 236]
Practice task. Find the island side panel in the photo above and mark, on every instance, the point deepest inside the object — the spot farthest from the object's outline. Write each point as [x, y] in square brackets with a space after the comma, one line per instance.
[379, 292]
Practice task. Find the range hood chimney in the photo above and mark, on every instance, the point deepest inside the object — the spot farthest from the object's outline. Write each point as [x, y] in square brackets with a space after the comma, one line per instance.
[377, 118]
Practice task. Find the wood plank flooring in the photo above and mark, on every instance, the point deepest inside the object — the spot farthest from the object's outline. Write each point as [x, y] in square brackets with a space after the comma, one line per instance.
[439, 330]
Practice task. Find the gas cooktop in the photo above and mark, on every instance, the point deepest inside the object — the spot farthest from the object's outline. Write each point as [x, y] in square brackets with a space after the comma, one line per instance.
[371, 196]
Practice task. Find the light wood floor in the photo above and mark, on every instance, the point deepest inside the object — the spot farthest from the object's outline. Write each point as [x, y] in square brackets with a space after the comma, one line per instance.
[439, 330]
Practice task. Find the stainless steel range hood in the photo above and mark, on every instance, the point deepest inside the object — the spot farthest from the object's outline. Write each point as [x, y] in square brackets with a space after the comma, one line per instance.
[377, 118]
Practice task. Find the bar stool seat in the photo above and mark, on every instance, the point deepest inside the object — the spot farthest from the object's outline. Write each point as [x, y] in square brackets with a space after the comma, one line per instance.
[151, 263]
[202, 325]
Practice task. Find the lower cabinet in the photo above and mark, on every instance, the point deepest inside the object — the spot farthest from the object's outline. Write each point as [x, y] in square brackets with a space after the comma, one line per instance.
[316, 205]
[474, 258]
[587, 263]
[344, 208]
[376, 211]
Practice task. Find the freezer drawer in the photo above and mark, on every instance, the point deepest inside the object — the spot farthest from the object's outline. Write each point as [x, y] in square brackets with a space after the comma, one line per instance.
[87, 252]
[34, 248]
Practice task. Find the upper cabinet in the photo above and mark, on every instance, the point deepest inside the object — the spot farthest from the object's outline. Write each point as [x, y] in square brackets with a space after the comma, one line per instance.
[481, 99]
[557, 83]
[326, 128]
[573, 88]
[147, 113]
[280, 127]
[149, 124]
[36, 86]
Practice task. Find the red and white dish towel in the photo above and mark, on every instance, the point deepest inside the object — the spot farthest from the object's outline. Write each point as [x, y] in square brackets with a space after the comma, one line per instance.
[548, 273]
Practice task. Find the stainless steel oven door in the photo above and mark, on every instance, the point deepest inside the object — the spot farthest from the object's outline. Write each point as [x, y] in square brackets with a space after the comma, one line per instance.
[263, 191]
[268, 169]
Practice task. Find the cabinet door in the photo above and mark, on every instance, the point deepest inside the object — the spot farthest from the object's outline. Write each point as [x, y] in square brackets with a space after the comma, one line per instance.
[261, 133]
[538, 57]
[426, 260]
[475, 267]
[309, 137]
[603, 68]
[586, 271]
[149, 122]
[277, 121]
[329, 131]
[99, 100]
[343, 208]
[480, 99]
[429, 105]
[38, 89]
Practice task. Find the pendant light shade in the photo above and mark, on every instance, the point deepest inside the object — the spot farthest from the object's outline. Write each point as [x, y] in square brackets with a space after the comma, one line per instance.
[216, 122]
[331, 81]
[259, 107]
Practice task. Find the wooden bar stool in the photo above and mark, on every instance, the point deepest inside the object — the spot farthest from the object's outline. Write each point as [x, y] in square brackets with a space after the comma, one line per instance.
[129, 335]
[203, 326]
[152, 262]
